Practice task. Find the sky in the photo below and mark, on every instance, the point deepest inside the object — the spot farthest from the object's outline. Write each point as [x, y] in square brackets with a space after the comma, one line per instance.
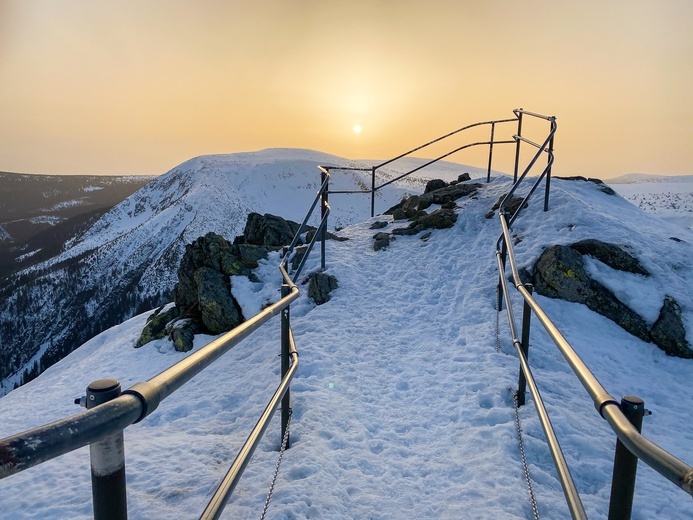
[132, 87]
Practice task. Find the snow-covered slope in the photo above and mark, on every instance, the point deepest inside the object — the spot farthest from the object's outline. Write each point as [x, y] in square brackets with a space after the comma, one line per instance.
[401, 403]
[127, 261]
[669, 198]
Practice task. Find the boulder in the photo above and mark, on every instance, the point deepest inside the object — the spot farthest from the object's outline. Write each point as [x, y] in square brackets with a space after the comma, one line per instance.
[438, 219]
[382, 240]
[668, 331]
[464, 177]
[435, 184]
[380, 224]
[447, 194]
[560, 273]
[183, 338]
[218, 309]
[610, 254]
[156, 326]
[320, 285]
[269, 230]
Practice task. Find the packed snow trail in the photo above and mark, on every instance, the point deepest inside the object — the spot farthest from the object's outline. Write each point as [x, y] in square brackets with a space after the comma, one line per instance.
[401, 404]
[390, 394]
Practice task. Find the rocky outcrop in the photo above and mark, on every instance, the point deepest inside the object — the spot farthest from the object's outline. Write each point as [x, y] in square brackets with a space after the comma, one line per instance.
[269, 230]
[438, 219]
[203, 299]
[320, 285]
[437, 191]
[610, 254]
[156, 325]
[560, 273]
[668, 331]
[203, 293]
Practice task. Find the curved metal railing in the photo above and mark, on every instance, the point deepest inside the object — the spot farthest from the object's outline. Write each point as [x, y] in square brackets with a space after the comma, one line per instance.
[105, 423]
[608, 407]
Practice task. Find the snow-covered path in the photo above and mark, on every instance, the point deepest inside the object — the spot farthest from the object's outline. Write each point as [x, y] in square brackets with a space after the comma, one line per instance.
[409, 384]
[402, 407]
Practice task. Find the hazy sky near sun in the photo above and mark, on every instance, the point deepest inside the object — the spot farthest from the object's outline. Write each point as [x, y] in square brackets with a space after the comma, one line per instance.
[139, 86]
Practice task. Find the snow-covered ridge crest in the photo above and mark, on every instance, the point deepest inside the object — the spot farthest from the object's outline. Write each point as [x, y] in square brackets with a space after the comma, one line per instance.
[127, 260]
[401, 403]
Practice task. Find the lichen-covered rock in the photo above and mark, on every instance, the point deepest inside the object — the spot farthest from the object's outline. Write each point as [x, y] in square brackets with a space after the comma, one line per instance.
[668, 331]
[320, 285]
[381, 241]
[219, 310]
[610, 254]
[560, 273]
[156, 326]
[269, 230]
[183, 338]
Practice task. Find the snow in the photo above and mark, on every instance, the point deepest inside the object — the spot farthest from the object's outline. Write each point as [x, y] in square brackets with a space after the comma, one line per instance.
[46, 219]
[669, 198]
[401, 404]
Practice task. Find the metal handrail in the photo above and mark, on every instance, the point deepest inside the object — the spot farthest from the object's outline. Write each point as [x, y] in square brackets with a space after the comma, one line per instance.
[29, 448]
[640, 446]
[442, 138]
[229, 482]
[375, 168]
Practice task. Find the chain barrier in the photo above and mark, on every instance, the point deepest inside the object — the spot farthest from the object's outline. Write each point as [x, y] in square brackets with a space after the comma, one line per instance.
[532, 498]
[498, 318]
[282, 449]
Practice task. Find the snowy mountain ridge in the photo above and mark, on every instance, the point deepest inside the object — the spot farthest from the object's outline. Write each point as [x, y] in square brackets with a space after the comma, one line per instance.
[401, 403]
[126, 262]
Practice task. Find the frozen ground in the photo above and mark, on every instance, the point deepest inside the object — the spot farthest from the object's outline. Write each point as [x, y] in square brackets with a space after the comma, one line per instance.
[402, 406]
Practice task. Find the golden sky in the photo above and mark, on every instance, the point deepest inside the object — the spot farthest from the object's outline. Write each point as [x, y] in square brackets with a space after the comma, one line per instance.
[139, 86]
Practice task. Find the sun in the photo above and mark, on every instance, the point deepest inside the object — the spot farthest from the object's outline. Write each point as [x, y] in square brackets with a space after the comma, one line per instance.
[357, 129]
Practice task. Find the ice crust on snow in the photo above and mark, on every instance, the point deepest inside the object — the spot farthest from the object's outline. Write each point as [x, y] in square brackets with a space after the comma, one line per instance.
[401, 404]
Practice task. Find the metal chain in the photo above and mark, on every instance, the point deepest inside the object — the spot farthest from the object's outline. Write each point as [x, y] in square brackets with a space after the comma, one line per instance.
[498, 318]
[282, 449]
[532, 498]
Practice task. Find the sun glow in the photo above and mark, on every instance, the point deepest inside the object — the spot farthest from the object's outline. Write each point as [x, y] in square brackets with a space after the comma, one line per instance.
[357, 129]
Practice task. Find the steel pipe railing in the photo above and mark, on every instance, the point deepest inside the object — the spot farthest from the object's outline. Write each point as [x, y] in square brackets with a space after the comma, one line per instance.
[654, 456]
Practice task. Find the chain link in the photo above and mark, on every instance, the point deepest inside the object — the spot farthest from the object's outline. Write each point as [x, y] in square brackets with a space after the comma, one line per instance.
[498, 318]
[532, 498]
[282, 449]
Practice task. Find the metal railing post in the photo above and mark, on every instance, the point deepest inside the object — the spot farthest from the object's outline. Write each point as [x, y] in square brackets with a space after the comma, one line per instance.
[524, 346]
[517, 146]
[107, 460]
[373, 191]
[548, 172]
[625, 463]
[490, 152]
[323, 211]
[286, 326]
